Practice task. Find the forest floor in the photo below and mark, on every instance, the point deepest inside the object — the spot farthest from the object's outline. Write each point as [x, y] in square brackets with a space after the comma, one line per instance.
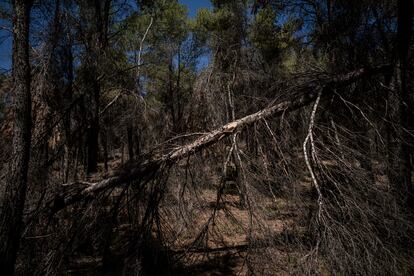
[228, 251]
[271, 241]
[224, 247]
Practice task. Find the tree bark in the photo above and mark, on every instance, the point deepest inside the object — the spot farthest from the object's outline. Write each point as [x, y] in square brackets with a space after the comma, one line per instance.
[399, 162]
[16, 186]
[98, 48]
[93, 130]
[67, 101]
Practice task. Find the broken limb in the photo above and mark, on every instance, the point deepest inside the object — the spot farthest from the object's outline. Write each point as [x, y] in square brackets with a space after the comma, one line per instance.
[146, 168]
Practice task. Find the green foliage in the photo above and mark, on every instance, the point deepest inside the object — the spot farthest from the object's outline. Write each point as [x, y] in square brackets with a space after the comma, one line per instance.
[161, 35]
[218, 20]
[171, 22]
[264, 34]
[170, 27]
[223, 30]
[274, 42]
[169, 16]
[201, 25]
[290, 61]
[307, 61]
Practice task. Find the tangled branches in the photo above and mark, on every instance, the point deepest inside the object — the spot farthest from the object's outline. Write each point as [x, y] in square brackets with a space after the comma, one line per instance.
[181, 209]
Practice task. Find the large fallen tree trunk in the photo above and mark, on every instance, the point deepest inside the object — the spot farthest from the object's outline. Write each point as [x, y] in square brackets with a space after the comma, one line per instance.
[146, 168]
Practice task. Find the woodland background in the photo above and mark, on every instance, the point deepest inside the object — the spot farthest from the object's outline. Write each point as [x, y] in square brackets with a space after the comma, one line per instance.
[260, 137]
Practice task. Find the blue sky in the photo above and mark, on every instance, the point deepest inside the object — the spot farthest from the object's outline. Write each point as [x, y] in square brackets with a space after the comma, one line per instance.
[5, 47]
[6, 41]
[194, 5]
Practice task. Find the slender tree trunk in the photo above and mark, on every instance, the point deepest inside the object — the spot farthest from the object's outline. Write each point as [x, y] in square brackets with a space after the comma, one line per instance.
[67, 101]
[399, 167]
[98, 48]
[16, 186]
[93, 131]
[130, 134]
[137, 143]
[171, 94]
[104, 138]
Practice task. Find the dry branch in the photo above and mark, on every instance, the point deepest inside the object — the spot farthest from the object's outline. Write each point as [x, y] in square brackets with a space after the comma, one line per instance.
[145, 169]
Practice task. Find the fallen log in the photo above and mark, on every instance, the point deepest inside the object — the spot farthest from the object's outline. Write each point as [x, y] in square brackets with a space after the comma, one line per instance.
[146, 168]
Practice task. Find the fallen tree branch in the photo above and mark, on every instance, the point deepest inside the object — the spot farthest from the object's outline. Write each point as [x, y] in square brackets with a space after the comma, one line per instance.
[308, 138]
[146, 168]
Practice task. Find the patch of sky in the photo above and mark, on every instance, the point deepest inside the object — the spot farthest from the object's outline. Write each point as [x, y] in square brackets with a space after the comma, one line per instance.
[5, 39]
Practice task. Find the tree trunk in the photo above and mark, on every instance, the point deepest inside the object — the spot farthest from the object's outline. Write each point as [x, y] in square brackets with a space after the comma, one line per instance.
[16, 186]
[93, 131]
[130, 134]
[104, 138]
[98, 48]
[399, 167]
[67, 101]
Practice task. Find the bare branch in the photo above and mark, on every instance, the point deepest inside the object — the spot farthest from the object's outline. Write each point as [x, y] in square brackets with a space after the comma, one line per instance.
[146, 168]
